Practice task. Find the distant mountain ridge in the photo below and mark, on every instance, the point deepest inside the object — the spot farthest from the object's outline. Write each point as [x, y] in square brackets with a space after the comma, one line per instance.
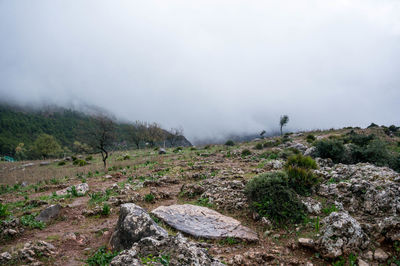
[23, 125]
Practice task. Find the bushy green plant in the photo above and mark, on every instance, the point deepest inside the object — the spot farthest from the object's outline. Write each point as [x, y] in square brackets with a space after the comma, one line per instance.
[61, 163]
[270, 196]
[299, 160]
[300, 176]
[80, 162]
[89, 158]
[333, 149]
[29, 221]
[4, 210]
[149, 198]
[301, 180]
[230, 143]
[258, 146]
[178, 149]
[106, 209]
[310, 138]
[101, 257]
[246, 152]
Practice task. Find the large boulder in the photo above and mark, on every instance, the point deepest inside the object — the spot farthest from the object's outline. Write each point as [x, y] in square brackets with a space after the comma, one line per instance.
[203, 222]
[49, 213]
[177, 250]
[341, 234]
[134, 223]
[368, 192]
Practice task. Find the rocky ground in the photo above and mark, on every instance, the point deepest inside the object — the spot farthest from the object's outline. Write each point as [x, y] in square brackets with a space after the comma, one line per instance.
[188, 207]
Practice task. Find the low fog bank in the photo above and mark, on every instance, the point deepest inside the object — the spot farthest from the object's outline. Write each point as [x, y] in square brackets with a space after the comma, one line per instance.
[214, 69]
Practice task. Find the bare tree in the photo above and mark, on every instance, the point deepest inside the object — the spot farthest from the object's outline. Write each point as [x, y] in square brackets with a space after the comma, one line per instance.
[100, 136]
[138, 133]
[174, 135]
[283, 121]
[154, 134]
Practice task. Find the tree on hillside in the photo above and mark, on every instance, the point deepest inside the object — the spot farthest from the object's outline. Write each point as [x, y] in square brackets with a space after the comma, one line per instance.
[174, 135]
[154, 134]
[100, 136]
[262, 133]
[283, 121]
[138, 133]
[45, 146]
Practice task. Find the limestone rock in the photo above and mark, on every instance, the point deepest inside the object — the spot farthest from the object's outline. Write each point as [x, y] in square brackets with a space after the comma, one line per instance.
[180, 251]
[49, 213]
[81, 189]
[134, 223]
[380, 255]
[306, 242]
[162, 151]
[225, 194]
[203, 222]
[340, 234]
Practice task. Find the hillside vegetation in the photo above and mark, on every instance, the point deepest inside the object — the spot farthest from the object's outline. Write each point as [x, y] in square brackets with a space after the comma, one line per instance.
[305, 203]
[19, 125]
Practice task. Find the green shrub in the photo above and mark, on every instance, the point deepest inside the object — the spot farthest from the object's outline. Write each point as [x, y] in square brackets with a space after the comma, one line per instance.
[246, 152]
[149, 198]
[106, 209]
[61, 163]
[230, 143]
[301, 161]
[272, 143]
[80, 162]
[258, 146]
[333, 149]
[177, 149]
[359, 139]
[301, 180]
[270, 196]
[4, 211]
[29, 221]
[89, 158]
[372, 125]
[101, 257]
[310, 138]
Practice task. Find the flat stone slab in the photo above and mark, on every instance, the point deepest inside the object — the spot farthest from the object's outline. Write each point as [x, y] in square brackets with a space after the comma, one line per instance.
[203, 222]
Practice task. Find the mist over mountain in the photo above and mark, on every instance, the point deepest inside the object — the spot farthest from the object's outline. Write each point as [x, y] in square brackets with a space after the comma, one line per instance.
[214, 69]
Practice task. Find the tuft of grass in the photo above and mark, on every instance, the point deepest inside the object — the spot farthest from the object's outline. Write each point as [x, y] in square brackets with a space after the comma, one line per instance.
[149, 197]
[101, 257]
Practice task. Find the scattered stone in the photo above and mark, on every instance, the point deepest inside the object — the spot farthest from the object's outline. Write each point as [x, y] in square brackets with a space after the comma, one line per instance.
[69, 236]
[162, 151]
[265, 221]
[341, 234]
[27, 165]
[44, 163]
[380, 255]
[361, 262]
[313, 206]
[81, 189]
[49, 213]
[310, 151]
[5, 257]
[10, 228]
[134, 223]
[306, 242]
[191, 190]
[203, 222]
[225, 194]
[32, 251]
[180, 251]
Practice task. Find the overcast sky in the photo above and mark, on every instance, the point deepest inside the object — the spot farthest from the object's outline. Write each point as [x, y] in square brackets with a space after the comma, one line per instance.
[212, 67]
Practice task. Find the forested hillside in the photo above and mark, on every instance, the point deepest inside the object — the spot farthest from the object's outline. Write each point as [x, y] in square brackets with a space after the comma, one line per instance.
[20, 125]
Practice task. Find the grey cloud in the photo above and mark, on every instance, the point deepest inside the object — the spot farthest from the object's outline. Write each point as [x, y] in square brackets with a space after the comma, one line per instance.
[212, 67]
